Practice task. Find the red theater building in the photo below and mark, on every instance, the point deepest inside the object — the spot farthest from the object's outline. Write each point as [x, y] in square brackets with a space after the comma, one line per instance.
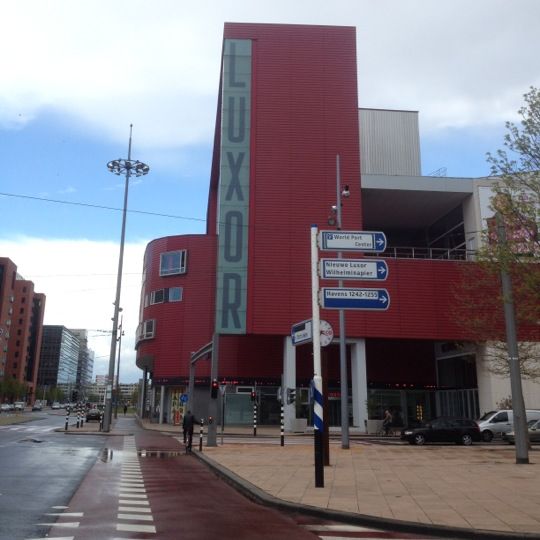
[226, 300]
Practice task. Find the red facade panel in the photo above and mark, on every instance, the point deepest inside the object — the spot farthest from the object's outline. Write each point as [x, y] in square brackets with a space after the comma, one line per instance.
[181, 327]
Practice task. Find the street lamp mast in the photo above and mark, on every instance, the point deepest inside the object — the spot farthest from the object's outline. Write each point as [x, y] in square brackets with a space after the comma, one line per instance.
[129, 168]
[342, 193]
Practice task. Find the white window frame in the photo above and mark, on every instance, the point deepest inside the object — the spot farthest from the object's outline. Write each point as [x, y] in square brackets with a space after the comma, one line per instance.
[153, 297]
[179, 268]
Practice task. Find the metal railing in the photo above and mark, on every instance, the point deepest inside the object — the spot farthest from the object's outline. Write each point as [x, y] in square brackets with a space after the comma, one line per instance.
[403, 252]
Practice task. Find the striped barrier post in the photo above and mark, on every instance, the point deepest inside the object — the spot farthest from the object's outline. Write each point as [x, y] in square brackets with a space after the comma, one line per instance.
[101, 420]
[82, 415]
[201, 435]
[67, 419]
[282, 425]
[78, 416]
[318, 431]
[255, 418]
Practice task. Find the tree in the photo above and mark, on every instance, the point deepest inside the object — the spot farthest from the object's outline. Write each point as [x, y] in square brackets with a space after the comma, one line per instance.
[516, 199]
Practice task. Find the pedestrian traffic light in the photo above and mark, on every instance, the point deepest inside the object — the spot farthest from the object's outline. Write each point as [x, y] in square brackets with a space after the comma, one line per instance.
[253, 395]
[291, 395]
[214, 389]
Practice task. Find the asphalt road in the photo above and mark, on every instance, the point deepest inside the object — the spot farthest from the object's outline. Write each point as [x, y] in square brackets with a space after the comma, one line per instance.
[39, 469]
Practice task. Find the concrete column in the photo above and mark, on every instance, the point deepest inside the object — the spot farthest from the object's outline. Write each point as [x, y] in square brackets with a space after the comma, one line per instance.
[161, 404]
[359, 382]
[289, 381]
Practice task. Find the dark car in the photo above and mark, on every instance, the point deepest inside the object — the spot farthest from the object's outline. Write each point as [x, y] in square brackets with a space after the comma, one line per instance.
[443, 429]
[93, 414]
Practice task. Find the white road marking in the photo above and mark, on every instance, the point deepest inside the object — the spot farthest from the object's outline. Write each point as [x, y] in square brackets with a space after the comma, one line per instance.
[66, 514]
[125, 501]
[133, 495]
[135, 528]
[135, 517]
[134, 509]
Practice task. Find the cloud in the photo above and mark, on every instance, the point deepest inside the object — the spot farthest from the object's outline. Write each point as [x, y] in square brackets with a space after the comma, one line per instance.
[78, 278]
[156, 64]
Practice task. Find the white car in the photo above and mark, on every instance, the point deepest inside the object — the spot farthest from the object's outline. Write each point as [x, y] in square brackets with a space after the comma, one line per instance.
[19, 405]
[56, 405]
[5, 407]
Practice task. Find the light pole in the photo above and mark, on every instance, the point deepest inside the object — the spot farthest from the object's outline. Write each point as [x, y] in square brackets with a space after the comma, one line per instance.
[342, 193]
[121, 328]
[128, 168]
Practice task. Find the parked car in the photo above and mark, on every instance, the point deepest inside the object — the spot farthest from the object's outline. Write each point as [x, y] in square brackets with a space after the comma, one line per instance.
[495, 423]
[56, 405]
[93, 414]
[5, 407]
[19, 406]
[533, 427]
[443, 429]
[37, 406]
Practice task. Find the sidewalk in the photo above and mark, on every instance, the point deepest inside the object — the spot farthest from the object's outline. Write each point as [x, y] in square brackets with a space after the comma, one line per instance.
[447, 490]
[465, 492]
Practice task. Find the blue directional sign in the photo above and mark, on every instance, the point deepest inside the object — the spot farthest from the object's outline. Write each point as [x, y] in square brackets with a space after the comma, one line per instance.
[367, 241]
[343, 269]
[344, 298]
[184, 398]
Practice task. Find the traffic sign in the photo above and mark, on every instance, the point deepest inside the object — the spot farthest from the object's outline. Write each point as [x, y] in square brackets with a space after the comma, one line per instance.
[344, 298]
[369, 241]
[302, 332]
[184, 398]
[365, 269]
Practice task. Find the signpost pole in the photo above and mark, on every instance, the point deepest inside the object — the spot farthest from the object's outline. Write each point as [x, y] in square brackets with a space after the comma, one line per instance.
[317, 379]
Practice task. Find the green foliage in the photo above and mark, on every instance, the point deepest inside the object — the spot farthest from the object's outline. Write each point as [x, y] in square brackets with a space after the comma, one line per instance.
[511, 244]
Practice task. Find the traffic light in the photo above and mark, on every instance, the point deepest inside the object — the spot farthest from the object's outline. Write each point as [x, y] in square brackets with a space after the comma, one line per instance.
[253, 395]
[291, 395]
[214, 389]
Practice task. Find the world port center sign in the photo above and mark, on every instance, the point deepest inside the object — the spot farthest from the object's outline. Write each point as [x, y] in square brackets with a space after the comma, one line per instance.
[350, 269]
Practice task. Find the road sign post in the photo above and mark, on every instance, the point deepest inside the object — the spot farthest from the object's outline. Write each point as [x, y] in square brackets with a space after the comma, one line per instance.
[346, 298]
[365, 241]
[350, 269]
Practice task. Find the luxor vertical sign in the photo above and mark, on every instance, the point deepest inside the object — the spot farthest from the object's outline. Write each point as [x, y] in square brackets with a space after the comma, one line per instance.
[234, 188]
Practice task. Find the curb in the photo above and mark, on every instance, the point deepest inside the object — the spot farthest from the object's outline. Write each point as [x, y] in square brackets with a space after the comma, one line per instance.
[259, 496]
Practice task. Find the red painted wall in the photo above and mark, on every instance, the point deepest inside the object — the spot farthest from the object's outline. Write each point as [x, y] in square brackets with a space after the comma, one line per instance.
[181, 327]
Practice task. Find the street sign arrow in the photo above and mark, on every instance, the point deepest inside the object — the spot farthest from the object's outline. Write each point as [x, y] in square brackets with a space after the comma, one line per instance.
[345, 298]
[364, 269]
[367, 241]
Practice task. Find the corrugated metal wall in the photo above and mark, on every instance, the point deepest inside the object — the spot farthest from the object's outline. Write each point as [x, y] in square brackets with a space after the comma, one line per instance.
[389, 142]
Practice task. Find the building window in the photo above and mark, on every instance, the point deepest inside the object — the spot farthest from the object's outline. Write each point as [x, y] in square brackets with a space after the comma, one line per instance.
[157, 297]
[175, 294]
[173, 262]
[21, 310]
[146, 329]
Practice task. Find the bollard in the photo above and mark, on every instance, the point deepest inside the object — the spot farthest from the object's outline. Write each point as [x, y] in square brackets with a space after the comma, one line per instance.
[67, 419]
[82, 415]
[254, 418]
[101, 421]
[282, 426]
[201, 435]
[78, 416]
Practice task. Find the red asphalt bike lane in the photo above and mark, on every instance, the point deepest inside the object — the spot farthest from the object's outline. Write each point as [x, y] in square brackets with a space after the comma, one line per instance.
[186, 500]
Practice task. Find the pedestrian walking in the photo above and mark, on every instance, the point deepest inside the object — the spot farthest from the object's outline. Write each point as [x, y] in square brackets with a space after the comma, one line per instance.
[387, 422]
[187, 424]
[125, 409]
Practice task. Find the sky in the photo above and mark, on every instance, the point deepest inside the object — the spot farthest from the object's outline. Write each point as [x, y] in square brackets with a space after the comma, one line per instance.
[75, 75]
